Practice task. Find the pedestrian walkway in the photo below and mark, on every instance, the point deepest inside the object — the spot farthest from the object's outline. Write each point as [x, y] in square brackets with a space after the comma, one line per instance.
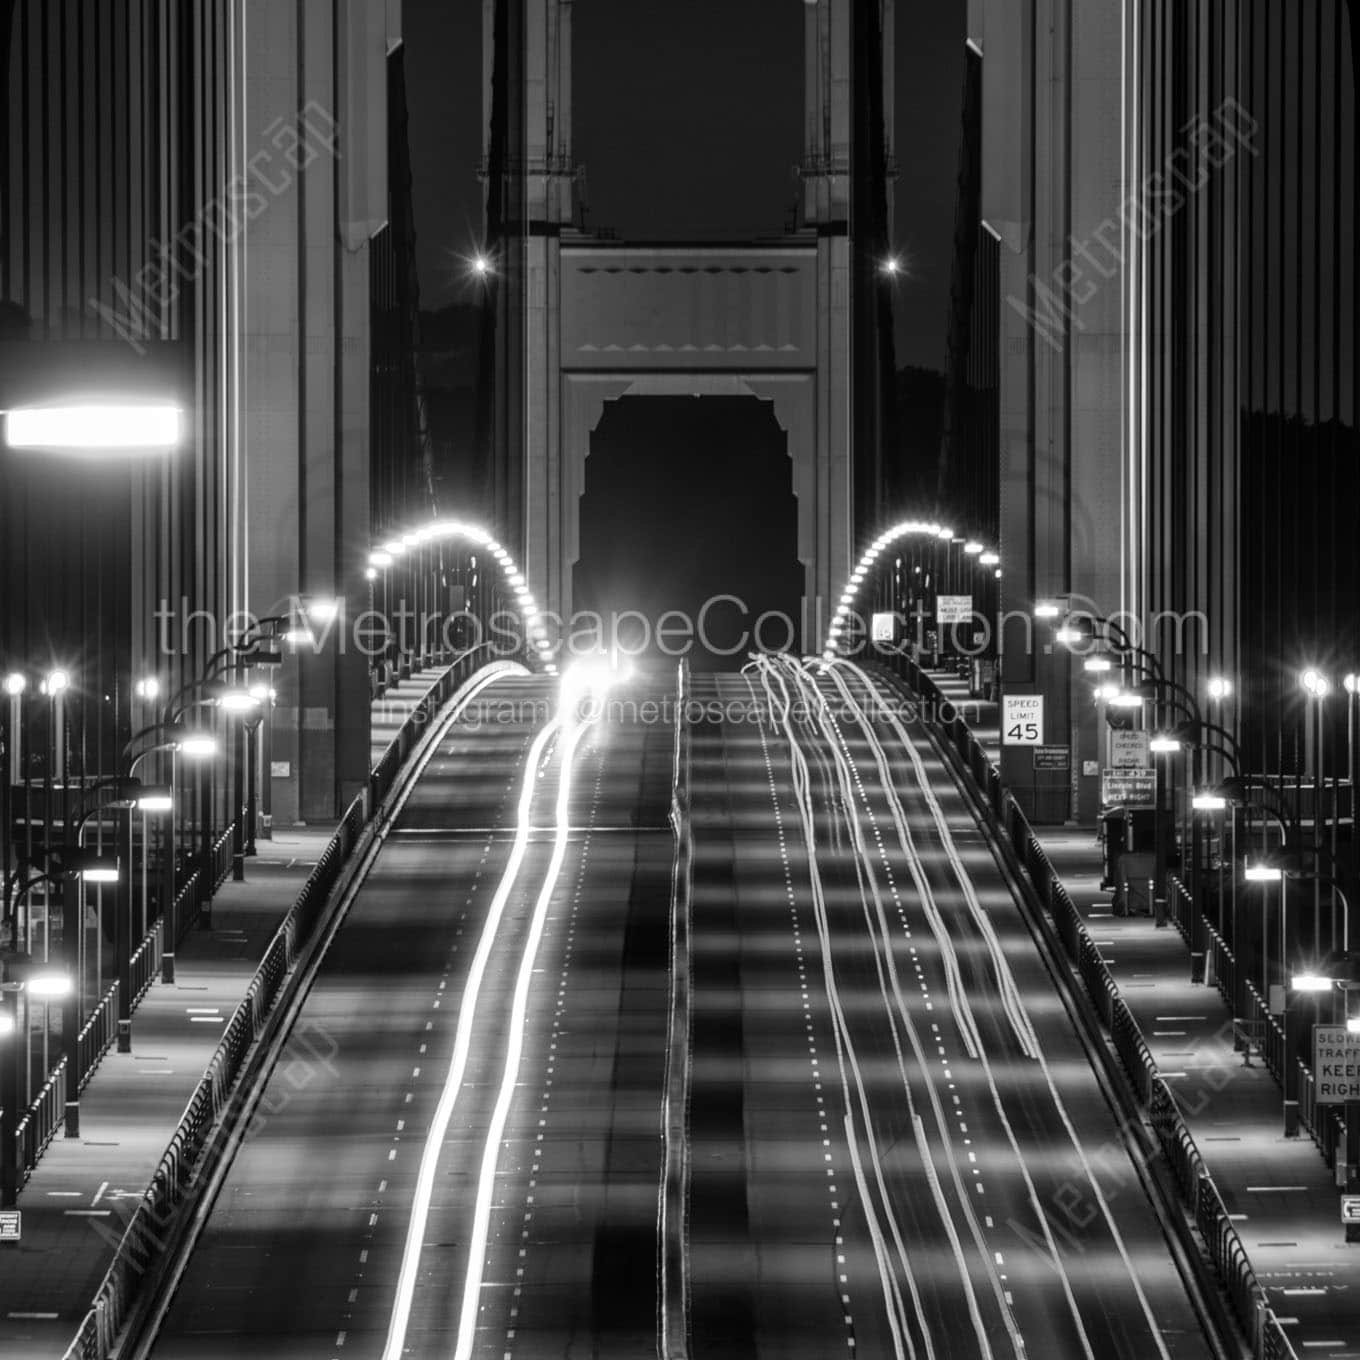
[1279, 1191]
[81, 1195]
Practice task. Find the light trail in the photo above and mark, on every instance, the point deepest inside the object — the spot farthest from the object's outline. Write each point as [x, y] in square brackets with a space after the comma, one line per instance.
[519, 1010]
[434, 1141]
[883, 955]
[908, 846]
[1058, 1102]
[898, 1323]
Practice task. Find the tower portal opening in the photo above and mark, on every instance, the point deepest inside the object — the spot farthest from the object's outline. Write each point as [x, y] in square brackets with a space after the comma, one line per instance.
[689, 531]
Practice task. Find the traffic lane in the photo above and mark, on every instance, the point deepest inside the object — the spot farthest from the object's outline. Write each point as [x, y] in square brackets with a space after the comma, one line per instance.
[304, 1242]
[297, 1219]
[1094, 1207]
[573, 1237]
[572, 1267]
[464, 785]
[764, 1269]
[948, 1280]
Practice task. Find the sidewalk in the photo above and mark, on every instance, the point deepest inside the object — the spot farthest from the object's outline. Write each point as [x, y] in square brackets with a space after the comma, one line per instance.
[80, 1196]
[1278, 1190]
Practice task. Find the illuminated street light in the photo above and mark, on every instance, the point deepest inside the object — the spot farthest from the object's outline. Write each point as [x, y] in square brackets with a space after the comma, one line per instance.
[1310, 982]
[1070, 637]
[973, 548]
[15, 684]
[892, 266]
[1164, 745]
[197, 746]
[57, 682]
[324, 610]
[154, 798]
[93, 427]
[1208, 802]
[149, 688]
[990, 559]
[99, 871]
[1351, 683]
[1098, 664]
[1124, 699]
[481, 266]
[370, 573]
[1107, 692]
[1219, 688]
[237, 701]
[48, 986]
[394, 547]
[947, 535]
[1263, 873]
[1315, 683]
[1046, 609]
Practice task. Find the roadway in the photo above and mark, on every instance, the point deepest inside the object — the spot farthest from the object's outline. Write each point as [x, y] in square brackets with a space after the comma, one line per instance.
[897, 1145]
[309, 1250]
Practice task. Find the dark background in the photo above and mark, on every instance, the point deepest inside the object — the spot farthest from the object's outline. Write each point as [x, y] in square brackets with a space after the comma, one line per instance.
[687, 120]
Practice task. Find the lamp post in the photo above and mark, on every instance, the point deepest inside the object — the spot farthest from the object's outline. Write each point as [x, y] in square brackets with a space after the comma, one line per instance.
[11, 771]
[20, 979]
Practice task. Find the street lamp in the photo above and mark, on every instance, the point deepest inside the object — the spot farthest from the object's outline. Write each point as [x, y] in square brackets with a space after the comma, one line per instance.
[94, 427]
[1219, 687]
[20, 978]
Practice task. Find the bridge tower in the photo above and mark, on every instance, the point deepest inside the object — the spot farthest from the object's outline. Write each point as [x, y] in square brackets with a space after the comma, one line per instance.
[580, 321]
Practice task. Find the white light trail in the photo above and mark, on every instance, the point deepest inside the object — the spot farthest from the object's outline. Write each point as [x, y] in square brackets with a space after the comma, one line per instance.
[486, 1183]
[434, 1142]
[1058, 1102]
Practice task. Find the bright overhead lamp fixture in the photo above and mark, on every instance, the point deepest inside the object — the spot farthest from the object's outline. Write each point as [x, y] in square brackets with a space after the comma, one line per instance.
[94, 427]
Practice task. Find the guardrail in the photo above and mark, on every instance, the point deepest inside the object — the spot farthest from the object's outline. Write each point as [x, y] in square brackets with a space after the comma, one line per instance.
[44, 1116]
[1199, 1196]
[144, 1236]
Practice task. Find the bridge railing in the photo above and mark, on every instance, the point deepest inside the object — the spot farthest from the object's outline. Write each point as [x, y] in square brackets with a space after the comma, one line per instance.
[45, 1114]
[145, 1236]
[1198, 1194]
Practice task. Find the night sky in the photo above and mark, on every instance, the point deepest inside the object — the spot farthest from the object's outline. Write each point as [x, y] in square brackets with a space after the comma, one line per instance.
[687, 121]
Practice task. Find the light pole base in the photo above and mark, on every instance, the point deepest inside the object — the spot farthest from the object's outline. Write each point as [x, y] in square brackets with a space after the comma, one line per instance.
[1291, 1119]
[125, 1036]
[72, 1120]
[168, 968]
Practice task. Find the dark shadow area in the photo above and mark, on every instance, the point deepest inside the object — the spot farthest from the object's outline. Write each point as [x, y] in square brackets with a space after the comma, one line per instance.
[688, 500]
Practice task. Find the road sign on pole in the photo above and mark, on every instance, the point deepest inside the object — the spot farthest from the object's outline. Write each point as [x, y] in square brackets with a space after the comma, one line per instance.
[1022, 720]
[11, 1225]
[1336, 1064]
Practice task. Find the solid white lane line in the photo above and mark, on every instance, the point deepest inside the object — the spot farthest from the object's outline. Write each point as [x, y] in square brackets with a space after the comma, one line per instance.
[481, 1220]
[429, 1161]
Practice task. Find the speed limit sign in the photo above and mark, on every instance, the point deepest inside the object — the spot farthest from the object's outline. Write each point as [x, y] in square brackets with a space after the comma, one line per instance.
[1022, 720]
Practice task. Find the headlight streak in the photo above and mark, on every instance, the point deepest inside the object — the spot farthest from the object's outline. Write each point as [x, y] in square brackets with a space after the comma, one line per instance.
[896, 1011]
[1006, 985]
[434, 1142]
[1058, 1102]
[958, 996]
[845, 1052]
[1003, 971]
[486, 1183]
